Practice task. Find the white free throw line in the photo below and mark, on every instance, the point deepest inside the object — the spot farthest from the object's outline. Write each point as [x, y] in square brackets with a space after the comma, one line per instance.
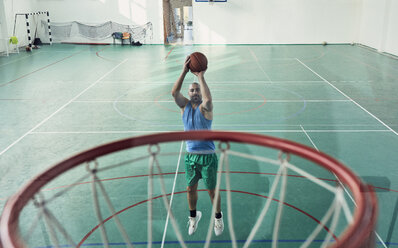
[236, 101]
[66, 104]
[215, 82]
[235, 130]
[392, 130]
[172, 194]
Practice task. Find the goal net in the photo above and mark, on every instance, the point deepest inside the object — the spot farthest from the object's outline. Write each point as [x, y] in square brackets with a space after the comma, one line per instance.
[95, 33]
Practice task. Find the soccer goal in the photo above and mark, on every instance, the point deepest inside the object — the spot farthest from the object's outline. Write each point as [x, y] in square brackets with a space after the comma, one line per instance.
[29, 28]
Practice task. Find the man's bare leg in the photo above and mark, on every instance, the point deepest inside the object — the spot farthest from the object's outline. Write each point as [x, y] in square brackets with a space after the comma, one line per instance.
[212, 194]
[192, 195]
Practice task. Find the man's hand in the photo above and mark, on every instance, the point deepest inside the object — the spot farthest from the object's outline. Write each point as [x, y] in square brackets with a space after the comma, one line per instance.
[200, 73]
[186, 64]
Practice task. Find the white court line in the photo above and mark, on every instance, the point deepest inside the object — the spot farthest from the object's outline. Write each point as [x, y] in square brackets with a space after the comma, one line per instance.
[20, 59]
[256, 59]
[66, 104]
[243, 131]
[232, 101]
[346, 131]
[100, 132]
[338, 179]
[172, 195]
[211, 82]
[296, 81]
[302, 129]
[278, 59]
[308, 100]
[392, 130]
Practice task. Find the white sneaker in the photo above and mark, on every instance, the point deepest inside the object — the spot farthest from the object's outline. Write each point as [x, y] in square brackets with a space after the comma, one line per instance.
[193, 222]
[218, 226]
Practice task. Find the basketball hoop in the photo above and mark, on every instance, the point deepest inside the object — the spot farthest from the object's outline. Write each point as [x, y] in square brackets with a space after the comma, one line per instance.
[358, 232]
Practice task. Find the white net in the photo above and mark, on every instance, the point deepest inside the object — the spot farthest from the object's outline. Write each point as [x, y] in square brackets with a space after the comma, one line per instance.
[82, 32]
[142, 176]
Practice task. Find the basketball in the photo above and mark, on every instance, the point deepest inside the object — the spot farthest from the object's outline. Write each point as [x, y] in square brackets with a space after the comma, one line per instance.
[198, 62]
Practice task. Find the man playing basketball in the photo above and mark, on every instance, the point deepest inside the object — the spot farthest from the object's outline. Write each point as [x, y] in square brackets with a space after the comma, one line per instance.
[200, 159]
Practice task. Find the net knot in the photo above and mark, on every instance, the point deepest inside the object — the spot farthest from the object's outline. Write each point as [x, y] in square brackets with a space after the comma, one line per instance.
[284, 156]
[221, 146]
[152, 151]
[92, 169]
[38, 200]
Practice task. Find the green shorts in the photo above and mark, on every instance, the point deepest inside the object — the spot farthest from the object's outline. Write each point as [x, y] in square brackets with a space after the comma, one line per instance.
[203, 166]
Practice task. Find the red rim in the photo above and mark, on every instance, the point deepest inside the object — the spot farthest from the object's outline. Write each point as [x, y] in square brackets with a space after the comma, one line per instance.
[356, 235]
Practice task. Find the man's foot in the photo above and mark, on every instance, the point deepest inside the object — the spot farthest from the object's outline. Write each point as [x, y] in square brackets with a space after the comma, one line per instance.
[218, 226]
[193, 222]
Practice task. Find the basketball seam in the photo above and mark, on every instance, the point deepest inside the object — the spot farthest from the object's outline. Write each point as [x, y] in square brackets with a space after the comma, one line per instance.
[198, 62]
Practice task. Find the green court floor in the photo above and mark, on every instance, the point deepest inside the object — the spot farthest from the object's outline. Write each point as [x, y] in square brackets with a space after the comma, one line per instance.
[63, 99]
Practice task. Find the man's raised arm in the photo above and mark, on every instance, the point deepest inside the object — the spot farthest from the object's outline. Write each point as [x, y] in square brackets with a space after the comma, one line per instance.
[180, 100]
[207, 101]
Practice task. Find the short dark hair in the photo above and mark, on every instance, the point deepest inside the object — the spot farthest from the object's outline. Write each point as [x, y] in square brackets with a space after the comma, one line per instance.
[194, 83]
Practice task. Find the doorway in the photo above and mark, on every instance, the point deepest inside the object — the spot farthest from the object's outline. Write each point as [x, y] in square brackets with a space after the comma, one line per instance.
[184, 24]
[178, 22]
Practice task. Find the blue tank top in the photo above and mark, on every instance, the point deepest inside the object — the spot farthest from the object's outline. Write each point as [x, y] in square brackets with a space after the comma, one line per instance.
[193, 119]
